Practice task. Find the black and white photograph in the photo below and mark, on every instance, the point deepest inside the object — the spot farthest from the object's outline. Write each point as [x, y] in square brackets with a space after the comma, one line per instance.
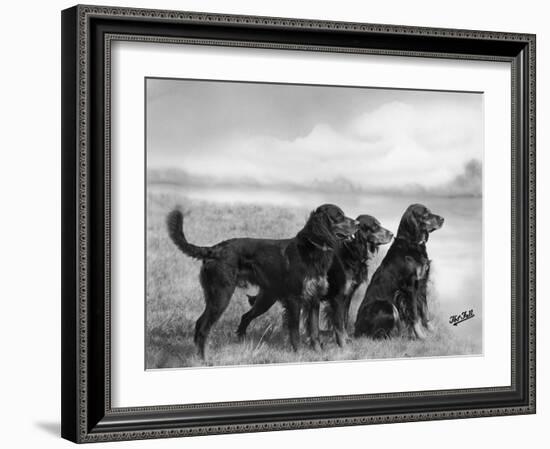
[292, 223]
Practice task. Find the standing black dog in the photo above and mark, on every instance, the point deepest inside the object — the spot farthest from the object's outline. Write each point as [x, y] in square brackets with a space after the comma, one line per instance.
[348, 271]
[293, 271]
[400, 282]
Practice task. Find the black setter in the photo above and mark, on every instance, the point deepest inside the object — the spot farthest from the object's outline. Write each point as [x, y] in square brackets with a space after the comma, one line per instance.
[350, 268]
[348, 271]
[396, 297]
[293, 271]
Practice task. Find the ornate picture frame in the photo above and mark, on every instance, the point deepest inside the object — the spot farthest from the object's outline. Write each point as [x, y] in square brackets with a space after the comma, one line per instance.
[88, 33]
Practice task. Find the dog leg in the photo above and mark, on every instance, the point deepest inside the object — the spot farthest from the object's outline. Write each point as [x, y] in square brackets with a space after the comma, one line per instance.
[263, 302]
[418, 304]
[398, 325]
[313, 325]
[338, 320]
[217, 297]
[293, 310]
[204, 325]
[425, 320]
[347, 302]
[338, 300]
[201, 333]
[418, 330]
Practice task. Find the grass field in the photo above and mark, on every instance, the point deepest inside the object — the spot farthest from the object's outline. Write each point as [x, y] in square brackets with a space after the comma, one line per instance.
[174, 298]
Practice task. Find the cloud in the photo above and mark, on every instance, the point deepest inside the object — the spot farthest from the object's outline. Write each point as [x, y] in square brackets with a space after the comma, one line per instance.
[431, 126]
[396, 145]
[372, 139]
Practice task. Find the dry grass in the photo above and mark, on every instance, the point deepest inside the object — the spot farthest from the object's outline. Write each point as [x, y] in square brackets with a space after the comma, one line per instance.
[175, 301]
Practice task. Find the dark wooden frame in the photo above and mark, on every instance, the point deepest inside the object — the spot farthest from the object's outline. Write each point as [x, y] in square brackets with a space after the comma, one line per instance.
[87, 32]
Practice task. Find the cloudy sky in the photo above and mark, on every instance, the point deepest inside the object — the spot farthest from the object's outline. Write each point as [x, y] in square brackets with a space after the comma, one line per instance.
[295, 134]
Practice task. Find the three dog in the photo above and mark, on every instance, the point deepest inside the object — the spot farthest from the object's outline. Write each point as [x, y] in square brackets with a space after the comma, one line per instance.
[326, 261]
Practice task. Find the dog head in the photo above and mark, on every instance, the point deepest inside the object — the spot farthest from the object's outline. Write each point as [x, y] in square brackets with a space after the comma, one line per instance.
[370, 234]
[417, 223]
[327, 226]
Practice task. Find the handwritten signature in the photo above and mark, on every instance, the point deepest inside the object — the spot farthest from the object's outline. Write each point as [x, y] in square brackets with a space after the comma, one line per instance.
[457, 319]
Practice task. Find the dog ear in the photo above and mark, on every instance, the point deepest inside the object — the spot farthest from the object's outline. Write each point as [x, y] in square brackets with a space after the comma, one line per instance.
[414, 226]
[318, 228]
[372, 248]
[410, 227]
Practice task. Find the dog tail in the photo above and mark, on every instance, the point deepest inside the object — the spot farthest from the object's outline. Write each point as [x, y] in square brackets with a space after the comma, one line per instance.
[174, 222]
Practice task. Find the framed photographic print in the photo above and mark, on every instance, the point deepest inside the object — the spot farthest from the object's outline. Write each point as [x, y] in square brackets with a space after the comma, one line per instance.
[278, 223]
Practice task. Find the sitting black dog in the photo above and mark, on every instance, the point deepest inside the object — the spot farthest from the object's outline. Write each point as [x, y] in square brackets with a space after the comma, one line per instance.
[397, 292]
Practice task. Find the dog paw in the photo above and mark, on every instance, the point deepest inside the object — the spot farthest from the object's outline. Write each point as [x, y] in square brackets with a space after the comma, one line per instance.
[419, 332]
[241, 336]
[316, 345]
